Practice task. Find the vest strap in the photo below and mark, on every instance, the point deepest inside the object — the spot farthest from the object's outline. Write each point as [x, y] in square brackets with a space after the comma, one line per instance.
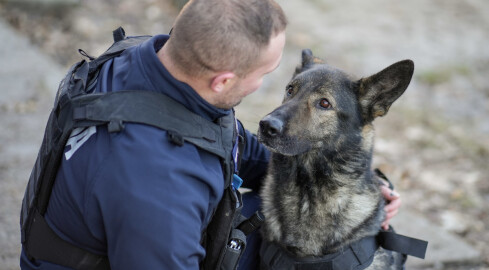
[251, 224]
[154, 109]
[119, 34]
[58, 250]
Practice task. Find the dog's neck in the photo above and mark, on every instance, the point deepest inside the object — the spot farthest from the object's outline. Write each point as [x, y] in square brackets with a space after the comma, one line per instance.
[342, 165]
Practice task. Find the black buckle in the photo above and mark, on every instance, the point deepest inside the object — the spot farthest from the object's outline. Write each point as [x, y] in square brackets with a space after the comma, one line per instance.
[175, 138]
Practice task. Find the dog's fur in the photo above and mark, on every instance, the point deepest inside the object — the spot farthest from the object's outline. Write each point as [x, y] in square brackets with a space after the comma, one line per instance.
[320, 194]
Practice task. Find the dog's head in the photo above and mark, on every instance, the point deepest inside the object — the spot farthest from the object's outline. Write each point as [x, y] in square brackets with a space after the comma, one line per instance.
[324, 105]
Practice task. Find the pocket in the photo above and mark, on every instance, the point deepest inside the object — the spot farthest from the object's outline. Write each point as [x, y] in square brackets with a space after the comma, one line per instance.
[234, 250]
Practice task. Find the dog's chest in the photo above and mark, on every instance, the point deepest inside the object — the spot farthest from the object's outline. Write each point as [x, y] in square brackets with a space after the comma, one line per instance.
[309, 217]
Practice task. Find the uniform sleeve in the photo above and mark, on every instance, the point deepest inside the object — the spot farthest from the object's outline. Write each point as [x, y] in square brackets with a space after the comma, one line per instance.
[153, 199]
[254, 161]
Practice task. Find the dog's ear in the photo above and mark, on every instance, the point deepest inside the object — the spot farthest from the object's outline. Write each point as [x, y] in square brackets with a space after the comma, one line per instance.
[308, 60]
[377, 92]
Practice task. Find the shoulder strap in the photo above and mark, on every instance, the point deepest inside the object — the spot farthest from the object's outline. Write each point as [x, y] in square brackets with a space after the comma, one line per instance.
[46, 245]
[119, 34]
[154, 109]
[116, 49]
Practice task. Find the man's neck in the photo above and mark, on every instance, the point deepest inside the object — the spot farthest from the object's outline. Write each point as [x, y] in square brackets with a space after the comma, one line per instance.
[200, 85]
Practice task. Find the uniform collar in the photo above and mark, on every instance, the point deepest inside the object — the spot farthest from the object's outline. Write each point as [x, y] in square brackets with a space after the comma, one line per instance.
[165, 83]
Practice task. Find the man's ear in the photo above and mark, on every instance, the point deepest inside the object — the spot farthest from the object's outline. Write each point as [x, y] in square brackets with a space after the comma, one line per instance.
[222, 80]
[308, 60]
[377, 92]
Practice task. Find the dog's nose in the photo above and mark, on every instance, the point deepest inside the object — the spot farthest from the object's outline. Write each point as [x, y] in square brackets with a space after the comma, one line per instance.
[271, 126]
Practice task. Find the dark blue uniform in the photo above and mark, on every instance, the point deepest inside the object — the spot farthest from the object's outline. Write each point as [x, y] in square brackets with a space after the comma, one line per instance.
[135, 195]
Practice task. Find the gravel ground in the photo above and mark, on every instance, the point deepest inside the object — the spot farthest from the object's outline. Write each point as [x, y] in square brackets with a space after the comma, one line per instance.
[433, 143]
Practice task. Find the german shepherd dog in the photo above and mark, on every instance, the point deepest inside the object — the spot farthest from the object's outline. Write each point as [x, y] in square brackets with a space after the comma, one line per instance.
[320, 194]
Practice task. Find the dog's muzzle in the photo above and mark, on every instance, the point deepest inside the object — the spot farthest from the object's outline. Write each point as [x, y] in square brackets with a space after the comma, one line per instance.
[271, 126]
[273, 134]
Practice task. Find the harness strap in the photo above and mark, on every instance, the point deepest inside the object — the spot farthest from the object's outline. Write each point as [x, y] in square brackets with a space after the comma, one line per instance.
[402, 244]
[380, 174]
[357, 256]
[116, 49]
[119, 34]
[241, 143]
[145, 107]
[251, 224]
[59, 250]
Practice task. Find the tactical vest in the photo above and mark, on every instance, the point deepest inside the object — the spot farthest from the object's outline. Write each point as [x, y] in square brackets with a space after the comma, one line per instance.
[76, 105]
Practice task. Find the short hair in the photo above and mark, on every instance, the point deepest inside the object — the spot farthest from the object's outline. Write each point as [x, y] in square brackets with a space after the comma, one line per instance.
[224, 35]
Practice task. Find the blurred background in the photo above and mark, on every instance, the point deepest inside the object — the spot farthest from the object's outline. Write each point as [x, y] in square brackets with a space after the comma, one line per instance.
[433, 143]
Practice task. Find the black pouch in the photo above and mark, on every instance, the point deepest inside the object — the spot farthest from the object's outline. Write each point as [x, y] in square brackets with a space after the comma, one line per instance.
[234, 250]
[221, 251]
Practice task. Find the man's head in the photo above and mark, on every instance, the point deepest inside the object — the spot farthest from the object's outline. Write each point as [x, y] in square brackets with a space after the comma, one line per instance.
[218, 35]
[227, 42]
[235, 88]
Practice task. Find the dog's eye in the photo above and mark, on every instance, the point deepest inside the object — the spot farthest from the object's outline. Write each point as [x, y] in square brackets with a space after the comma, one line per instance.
[289, 90]
[324, 103]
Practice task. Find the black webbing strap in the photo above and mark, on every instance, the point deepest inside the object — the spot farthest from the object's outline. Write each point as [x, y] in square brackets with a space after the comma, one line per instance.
[241, 143]
[150, 108]
[402, 244]
[251, 224]
[60, 251]
[380, 174]
[116, 49]
[357, 256]
[119, 34]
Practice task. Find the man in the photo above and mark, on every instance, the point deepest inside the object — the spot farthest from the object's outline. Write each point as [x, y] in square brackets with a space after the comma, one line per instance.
[134, 195]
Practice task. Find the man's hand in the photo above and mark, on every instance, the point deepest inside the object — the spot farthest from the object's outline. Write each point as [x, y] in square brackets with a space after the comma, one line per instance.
[393, 200]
